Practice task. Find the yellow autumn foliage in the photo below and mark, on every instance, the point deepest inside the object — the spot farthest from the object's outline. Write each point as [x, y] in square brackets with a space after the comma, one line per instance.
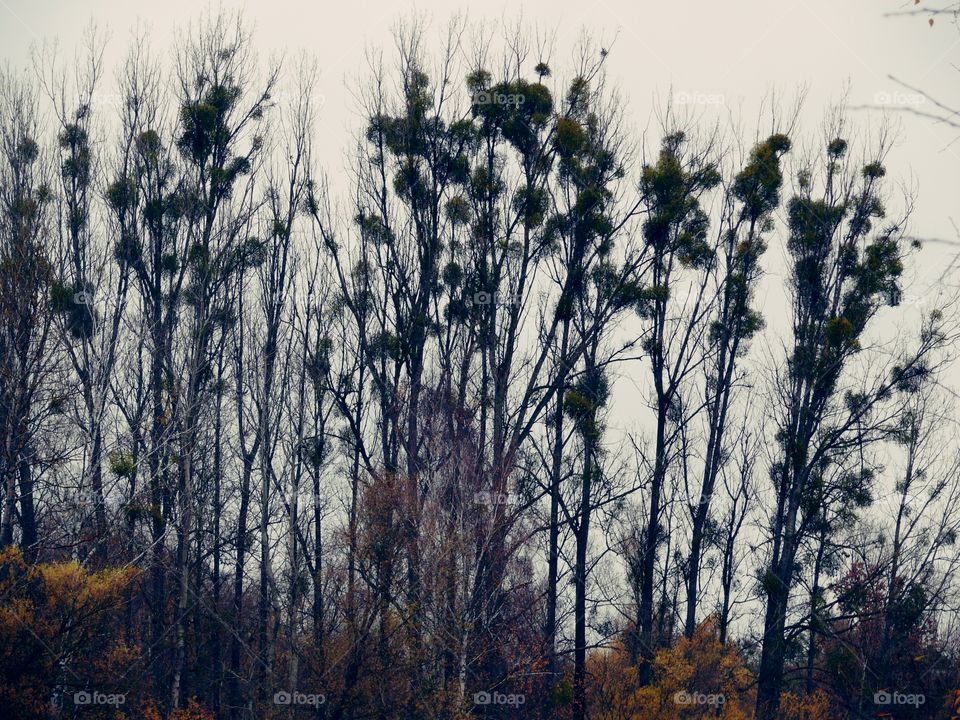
[692, 679]
[55, 631]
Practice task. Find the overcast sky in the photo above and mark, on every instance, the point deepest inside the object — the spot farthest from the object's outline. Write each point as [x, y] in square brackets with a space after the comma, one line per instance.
[738, 50]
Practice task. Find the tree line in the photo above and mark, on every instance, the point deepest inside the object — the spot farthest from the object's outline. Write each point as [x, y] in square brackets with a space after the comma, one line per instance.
[281, 443]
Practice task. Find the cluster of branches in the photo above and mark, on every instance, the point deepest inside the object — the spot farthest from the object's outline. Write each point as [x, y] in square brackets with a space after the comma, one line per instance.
[358, 437]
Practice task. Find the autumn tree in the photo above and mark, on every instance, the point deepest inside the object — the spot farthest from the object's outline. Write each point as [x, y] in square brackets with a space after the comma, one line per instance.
[753, 197]
[843, 270]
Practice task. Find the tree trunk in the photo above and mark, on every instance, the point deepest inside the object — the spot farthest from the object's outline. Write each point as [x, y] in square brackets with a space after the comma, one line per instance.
[650, 541]
[183, 568]
[236, 704]
[580, 590]
[28, 519]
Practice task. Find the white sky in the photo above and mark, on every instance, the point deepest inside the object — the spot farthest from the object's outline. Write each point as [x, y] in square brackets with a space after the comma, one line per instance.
[741, 49]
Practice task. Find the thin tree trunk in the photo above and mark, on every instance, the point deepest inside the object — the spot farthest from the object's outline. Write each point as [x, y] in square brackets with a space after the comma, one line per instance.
[650, 541]
[28, 519]
[580, 590]
[183, 568]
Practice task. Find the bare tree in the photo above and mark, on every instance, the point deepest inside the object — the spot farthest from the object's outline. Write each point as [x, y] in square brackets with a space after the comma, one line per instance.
[842, 273]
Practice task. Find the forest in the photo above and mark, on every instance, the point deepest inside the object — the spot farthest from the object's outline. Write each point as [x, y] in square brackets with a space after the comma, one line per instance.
[527, 410]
